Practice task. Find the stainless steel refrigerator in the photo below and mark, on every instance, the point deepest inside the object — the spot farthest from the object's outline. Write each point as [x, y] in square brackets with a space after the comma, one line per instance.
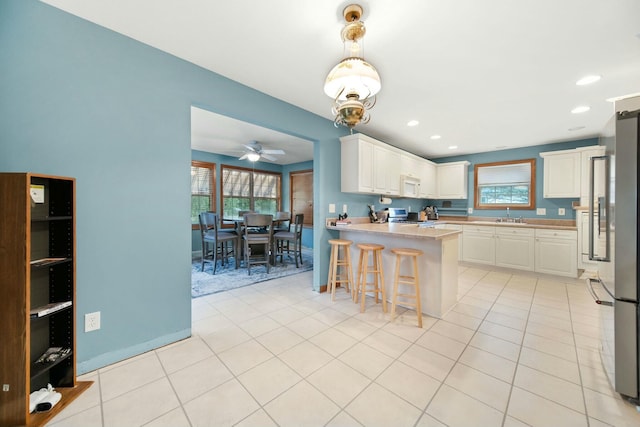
[613, 240]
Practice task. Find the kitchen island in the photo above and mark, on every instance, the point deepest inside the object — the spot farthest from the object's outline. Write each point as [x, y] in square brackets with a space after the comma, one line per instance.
[438, 267]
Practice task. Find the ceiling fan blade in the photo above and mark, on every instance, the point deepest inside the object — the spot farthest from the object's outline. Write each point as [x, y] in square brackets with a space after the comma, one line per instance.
[273, 151]
[244, 156]
[251, 147]
[268, 157]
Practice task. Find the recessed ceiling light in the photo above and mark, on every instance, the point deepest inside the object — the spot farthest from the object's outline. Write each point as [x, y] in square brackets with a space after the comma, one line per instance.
[413, 123]
[576, 128]
[435, 137]
[453, 147]
[581, 109]
[587, 80]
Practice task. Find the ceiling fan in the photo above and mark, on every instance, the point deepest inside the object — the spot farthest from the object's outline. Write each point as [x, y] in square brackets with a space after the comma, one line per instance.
[255, 152]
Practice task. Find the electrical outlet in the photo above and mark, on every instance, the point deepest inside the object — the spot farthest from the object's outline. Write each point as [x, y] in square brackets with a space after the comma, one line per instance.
[92, 321]
[561, 211]
[332, 208]
[5, 387]
[344, 208]
[541, 211]
[470, 210]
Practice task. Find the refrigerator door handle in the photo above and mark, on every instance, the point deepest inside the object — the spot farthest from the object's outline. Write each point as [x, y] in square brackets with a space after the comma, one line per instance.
[602, 214]
[593, 293]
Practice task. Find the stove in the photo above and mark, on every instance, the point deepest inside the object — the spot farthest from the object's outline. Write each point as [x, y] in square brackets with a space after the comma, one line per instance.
[401, 215]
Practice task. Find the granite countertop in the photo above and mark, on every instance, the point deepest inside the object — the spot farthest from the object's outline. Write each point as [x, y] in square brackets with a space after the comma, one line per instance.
[548, 226]
[400, 230]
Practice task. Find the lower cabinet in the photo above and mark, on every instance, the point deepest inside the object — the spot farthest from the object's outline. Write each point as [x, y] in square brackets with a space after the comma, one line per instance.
[547, 251]
[478, 244]
[556, 252]
[454, 227]
[514, 248]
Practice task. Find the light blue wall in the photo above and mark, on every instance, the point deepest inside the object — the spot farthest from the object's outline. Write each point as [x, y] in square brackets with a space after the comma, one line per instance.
[79, 100]
[533, 152]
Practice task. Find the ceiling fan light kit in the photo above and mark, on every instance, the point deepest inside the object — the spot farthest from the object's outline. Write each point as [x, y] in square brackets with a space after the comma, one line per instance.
[353, 83]
[255, 152]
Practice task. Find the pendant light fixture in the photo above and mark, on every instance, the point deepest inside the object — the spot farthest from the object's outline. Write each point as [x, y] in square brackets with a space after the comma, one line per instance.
[353, 83]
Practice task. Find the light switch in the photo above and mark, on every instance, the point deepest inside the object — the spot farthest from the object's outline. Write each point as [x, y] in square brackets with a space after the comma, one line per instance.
[560, 211]
[344, 208]
[541, 211]
[332, 208]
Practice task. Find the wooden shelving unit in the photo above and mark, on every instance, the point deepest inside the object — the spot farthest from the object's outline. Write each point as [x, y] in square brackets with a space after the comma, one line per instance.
[37, 222]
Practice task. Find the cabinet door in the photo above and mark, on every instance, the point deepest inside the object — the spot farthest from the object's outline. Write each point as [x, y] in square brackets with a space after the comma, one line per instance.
[386, 176]
[446, 226]
[365, 166]
[478, 245]
[556, 255]
[561, 175]
[428, 180]
[356, 165]
[515, 248]
[452, 180]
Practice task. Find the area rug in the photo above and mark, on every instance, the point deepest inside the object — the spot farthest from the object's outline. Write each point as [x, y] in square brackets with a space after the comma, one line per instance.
[227, 277]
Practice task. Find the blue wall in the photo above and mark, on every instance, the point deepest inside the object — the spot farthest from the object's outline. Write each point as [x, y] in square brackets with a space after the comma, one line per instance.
[551, 205]
[80, 100]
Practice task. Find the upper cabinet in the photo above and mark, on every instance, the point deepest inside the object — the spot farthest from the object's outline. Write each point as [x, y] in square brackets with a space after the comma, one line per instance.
[386, 177]
[567, 173]
[452, 180]
[357, 165]
[373, 167]
[561, 174]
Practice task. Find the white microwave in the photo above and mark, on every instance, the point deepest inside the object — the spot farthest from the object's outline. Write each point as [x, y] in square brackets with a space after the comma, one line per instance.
[409, 186]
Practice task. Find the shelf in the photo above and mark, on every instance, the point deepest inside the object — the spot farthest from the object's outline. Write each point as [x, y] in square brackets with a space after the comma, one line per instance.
[48, 262]
[51, 218]
[40, 368]
[69, 394]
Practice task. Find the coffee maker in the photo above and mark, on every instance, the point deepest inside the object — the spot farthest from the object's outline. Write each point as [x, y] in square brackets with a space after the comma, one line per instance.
[432, 212]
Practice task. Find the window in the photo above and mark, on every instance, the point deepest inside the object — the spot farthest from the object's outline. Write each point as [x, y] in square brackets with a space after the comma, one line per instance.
[250, 190]
[505, 184]
[203, 189]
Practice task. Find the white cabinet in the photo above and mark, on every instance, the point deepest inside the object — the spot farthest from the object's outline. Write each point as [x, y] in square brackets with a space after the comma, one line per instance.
[428, 180]
[356, 165]
[386, 177]
[556, 252]
[452, 180]
[514, 247]
[561, 174]
[458, 227]
[478, 244]
[586, 154]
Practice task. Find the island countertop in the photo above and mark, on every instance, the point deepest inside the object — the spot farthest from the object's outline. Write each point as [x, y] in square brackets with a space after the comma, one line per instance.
[412, 231]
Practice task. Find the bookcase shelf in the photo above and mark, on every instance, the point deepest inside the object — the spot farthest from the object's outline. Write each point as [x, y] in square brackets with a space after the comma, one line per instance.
[38, 225]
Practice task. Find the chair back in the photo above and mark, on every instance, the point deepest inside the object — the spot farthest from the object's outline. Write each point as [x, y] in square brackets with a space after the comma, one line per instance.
[297, 225]
[260, 221]
[209, 224]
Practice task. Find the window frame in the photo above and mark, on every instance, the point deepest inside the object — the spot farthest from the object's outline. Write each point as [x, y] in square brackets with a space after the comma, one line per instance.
[252, 172]
[532, 186]
[212, 186]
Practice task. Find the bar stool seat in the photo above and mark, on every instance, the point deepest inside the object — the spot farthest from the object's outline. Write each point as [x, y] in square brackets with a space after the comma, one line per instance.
[340, 269]
[410, 299]
[364, 269]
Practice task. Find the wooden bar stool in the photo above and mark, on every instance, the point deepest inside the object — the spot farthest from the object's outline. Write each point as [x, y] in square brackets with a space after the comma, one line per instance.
[407, 280]
[335, 262]
[364, 269]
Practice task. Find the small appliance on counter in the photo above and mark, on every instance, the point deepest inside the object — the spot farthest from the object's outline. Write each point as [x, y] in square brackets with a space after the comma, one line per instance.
[401, 215]
[432, 212]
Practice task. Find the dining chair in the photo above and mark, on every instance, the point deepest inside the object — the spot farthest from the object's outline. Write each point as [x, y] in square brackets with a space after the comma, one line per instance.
[215, 242]
[283, 240]
[257, 234]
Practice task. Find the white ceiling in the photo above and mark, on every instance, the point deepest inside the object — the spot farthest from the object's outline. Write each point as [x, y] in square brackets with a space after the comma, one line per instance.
[485, 75]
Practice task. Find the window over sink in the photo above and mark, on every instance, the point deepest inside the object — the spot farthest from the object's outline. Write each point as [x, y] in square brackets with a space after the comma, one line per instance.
[509, 184]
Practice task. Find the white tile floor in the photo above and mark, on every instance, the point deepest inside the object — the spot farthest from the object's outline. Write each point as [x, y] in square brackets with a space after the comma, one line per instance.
[516, 350]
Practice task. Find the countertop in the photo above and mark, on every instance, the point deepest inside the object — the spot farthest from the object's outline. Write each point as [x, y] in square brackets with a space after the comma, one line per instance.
[363, 224]
[395, 229]
[512, 224]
